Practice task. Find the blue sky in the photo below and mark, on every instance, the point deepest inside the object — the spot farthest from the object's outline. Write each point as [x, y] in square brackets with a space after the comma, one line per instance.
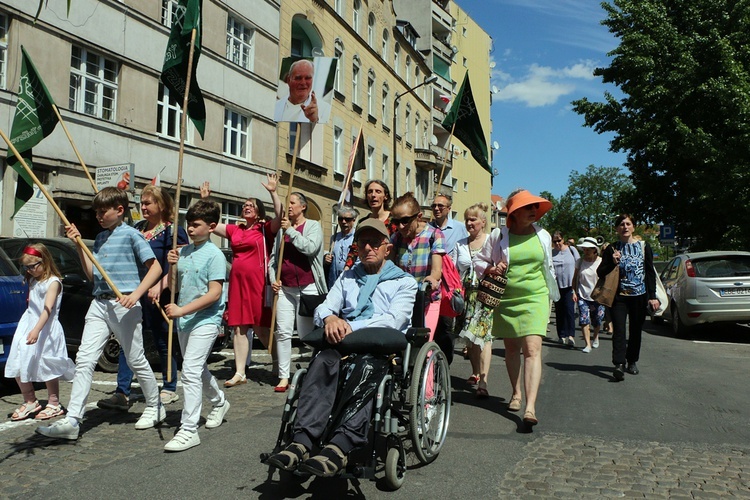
[545, 52]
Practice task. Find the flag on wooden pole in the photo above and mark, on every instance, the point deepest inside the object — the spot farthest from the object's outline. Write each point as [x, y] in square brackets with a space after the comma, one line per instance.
[34, 120]
[356, 163]
[464, 119]
[174, 72]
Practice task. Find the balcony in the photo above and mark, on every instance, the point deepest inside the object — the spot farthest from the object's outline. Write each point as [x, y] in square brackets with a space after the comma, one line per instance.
[426, 159]
[442, 22]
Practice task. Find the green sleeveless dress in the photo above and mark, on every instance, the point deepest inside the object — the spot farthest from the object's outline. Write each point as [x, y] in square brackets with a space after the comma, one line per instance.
[524, 309]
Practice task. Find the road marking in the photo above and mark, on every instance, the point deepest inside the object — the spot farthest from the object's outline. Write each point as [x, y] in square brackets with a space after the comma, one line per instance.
[720, 343]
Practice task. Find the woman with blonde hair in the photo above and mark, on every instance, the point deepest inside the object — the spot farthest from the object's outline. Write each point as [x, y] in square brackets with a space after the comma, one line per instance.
[522, 252]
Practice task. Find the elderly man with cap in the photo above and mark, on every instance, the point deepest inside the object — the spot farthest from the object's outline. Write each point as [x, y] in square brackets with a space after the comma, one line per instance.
[335, 260]
[590, 312]
[374, 293]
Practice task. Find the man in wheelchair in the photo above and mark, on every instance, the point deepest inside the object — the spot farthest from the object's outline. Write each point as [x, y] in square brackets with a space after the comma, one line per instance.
[374, 294]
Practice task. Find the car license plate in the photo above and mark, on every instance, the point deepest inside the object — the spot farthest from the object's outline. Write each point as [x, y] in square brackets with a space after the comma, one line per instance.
[730, 292]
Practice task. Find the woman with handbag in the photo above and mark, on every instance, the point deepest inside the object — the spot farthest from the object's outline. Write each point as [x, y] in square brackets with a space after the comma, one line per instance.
[249, 241]
[590, 312]
[303, 282]
[479, 340]
[636, 293]
[522, 252]
[565, 259]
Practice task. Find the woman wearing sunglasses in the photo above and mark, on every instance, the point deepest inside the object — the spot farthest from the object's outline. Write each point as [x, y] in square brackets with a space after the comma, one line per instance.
[523, 252]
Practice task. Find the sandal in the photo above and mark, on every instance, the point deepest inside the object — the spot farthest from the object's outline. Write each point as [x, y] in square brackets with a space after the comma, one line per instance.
[237, 379]
[25, 411]
[289, 458]
[482, 393]
[51, 411]
[514, 404]
[529, 418]
[473, 380]
[329, 462]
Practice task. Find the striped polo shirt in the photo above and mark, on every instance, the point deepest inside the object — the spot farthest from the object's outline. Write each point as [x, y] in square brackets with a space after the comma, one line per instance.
[122, 252]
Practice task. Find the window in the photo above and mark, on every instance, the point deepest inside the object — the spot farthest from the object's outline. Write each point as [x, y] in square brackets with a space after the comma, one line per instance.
[384, 52]
[93, 84]
[417, 143]
[168, 116]
[337, 150]
[3, 50]
[408, 71]
[466, 186]
[455, 185]
[385, 105]
[396, 105]
[231, 213]
[464, 31]
[236, 135]
[371, 30]
[408, 179]
[355, 15]
[239, 43]
[168, 11]
[384, 172]
[396, 58]
[338, 6]
[407, 123]
[355, 80]
[465, 62]
[371, 162]
[370, 90]
[422, 185]
[338, 52]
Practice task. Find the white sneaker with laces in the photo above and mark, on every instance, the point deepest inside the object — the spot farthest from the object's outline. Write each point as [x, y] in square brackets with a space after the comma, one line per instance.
[151, 417]
[183, 440]
[216, 417]
[62, 429]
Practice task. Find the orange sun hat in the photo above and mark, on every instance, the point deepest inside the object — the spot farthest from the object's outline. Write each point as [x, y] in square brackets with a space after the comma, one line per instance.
[525, 198]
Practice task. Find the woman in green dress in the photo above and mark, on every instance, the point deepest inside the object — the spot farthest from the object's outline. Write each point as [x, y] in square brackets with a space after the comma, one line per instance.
[523, 251]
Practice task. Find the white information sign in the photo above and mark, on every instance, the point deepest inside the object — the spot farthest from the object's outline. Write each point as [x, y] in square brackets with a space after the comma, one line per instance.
[31, 220]
[120, 176]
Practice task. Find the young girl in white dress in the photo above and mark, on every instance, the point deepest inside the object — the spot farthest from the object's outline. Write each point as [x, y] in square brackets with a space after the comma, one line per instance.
[38, 352]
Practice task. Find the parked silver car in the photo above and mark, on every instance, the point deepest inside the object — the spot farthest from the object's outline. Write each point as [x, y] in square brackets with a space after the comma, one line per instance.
[707, 287]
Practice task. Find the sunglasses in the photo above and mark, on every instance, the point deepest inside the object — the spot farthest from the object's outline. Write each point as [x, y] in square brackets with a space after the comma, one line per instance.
[556, 241]
[533, 205]
[347, 219]
[374, 244]
[438, 206]
[31, 267]
[403, 221]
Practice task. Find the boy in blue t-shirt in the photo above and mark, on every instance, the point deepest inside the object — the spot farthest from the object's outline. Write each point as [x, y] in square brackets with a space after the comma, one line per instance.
[120, 250]
[201, 269]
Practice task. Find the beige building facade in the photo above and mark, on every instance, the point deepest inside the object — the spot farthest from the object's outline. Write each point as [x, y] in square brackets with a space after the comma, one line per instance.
[102, 66]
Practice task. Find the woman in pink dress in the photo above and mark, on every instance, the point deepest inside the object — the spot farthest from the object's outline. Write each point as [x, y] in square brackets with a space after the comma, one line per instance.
[251, 242]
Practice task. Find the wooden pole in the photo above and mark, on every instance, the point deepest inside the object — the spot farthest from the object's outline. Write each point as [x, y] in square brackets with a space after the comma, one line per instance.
[183, 129]
[280, 257]
[60, 213]
[445, 160]
[75, 149]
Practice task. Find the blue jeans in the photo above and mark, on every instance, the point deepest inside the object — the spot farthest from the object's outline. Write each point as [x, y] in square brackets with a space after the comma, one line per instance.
[565, 314]
[153, 320]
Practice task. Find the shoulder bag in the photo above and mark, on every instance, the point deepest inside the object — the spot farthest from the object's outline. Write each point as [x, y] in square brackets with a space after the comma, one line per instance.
[606, 287]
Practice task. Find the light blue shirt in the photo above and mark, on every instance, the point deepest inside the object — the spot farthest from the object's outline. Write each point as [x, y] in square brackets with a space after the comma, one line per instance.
[196, 267]
[453, 231]
[341, 244]
[393, 302]
[122, 253]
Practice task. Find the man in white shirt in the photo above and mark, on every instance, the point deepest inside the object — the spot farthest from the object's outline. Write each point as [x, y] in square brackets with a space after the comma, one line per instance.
[374, 293]
[302, 105]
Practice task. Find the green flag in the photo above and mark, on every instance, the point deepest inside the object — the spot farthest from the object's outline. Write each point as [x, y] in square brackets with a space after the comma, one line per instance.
[468, 129]
[34, 120]
[174, 73]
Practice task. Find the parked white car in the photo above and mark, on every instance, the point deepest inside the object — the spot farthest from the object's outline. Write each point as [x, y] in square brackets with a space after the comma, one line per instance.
[707, 287]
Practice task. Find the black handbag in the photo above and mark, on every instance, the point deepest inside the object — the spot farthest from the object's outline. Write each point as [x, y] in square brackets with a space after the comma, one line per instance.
[308, 303]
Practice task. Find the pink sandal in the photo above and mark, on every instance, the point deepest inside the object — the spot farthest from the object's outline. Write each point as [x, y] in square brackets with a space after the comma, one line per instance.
[51, 411]
[25, 411]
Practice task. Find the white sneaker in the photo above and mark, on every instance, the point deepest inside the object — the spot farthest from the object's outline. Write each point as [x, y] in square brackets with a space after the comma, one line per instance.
[216, 417]
[62, 429]
[595, 344]
[571, 341]
[183, 440]
[151, 417]
[586, 350]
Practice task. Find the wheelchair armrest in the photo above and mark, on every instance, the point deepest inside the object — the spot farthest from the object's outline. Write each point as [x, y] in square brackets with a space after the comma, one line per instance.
[417, 336]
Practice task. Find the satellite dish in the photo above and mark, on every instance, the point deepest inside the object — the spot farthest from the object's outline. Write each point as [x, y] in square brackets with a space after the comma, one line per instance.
[495, 90]
[495, 172]
[492, 64]
[495, 145]
[433, 140]
[454, 49]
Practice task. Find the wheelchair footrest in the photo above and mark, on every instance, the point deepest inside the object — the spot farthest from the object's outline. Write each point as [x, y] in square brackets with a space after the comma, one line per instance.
[360, 472]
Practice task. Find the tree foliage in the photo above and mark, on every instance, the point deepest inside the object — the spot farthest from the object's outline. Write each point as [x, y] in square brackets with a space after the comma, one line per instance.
[684, 121]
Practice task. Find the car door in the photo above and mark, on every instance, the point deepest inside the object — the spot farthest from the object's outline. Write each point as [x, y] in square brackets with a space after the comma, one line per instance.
[13, 300]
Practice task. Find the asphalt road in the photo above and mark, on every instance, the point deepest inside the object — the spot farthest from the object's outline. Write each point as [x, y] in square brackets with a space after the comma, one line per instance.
[679, 429]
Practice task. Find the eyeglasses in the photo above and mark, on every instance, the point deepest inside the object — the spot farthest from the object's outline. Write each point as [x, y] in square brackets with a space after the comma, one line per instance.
[404, 221]
[438, 206]
[556, 241]
[249, 205]
[347, 219]
[374, 244]
[31, 267]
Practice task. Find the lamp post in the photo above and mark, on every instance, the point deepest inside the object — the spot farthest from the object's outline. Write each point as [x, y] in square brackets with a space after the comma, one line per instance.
[427, 81]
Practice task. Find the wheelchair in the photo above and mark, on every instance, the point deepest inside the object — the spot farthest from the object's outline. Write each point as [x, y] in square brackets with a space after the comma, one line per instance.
[412, 403]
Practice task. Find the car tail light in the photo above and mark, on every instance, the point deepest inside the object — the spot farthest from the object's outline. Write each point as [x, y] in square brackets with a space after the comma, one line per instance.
[689, 268]
[693, 315]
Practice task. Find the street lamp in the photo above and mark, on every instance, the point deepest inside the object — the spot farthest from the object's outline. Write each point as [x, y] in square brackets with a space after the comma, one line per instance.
[427, 81]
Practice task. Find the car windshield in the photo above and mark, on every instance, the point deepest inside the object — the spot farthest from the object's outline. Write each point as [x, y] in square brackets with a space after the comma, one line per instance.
[728, 266]
[6, 266]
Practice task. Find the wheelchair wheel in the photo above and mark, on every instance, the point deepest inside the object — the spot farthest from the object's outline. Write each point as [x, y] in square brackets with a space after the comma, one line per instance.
[395, 469]
[430, 399]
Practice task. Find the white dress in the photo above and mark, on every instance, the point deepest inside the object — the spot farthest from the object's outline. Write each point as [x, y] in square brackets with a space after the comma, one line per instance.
[47, 359]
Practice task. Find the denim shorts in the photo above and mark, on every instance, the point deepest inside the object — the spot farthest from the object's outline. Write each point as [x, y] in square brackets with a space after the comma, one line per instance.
[585, 310]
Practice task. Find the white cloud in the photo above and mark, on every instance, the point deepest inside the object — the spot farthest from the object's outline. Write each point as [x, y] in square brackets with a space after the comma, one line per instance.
[542, 85]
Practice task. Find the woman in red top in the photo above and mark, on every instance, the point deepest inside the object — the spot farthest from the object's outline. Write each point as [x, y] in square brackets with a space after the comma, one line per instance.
[250, 242]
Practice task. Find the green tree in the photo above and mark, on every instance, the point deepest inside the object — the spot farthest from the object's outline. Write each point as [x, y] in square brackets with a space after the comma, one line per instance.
[684, 120]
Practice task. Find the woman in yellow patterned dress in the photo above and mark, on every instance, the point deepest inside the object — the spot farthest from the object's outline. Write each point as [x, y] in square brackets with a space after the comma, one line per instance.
[523, 251]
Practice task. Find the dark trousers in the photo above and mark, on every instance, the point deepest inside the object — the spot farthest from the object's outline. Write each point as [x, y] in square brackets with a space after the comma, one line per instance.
[632, 308]
[316, 404]
[444, 337]
[565, 314]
